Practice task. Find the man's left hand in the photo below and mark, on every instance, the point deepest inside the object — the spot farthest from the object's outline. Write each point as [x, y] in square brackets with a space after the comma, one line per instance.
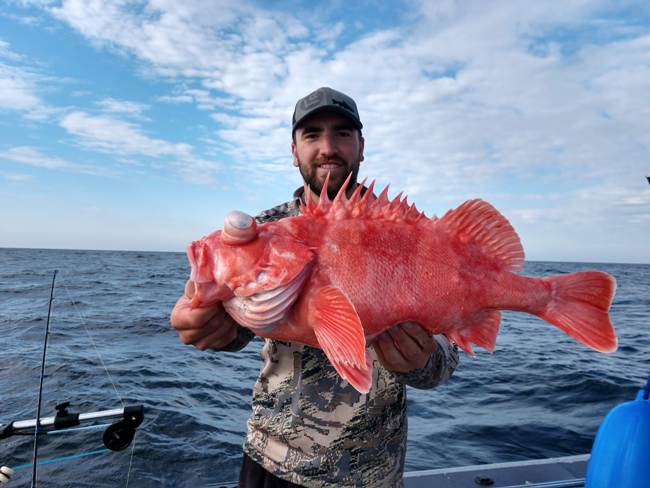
[405, 347]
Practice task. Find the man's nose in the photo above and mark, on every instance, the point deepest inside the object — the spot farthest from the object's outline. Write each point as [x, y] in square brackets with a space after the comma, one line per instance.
[328, 145]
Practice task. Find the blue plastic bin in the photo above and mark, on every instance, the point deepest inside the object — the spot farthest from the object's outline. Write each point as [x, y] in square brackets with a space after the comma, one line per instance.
[620, 457]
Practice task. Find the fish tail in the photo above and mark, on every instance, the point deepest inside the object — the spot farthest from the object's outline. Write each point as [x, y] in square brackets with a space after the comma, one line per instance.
[579, 306]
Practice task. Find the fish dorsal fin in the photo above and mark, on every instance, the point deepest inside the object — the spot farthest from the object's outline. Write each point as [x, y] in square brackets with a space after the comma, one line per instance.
[340, 334]
[361, 204]
[478, 222]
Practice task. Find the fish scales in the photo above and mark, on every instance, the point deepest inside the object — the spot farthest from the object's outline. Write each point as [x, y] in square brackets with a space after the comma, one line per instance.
[346, 270]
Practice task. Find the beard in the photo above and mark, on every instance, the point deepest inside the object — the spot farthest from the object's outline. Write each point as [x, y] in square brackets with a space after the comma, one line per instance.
[309, 172]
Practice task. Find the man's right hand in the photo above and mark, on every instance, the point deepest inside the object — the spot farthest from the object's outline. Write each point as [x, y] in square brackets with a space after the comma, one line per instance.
[203, 327]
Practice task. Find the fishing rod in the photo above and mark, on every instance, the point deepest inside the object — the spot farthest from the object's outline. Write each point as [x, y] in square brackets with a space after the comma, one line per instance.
[40, 387]
[117, 436]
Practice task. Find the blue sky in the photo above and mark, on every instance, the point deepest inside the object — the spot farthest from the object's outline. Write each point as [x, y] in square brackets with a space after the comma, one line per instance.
[138, 124]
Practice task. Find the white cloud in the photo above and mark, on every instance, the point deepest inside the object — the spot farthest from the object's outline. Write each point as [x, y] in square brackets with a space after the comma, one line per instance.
[18, 93]
[111, 135]
[33, 157]
[19, 86]
[17, 177]
[111, 105]
[7, 53]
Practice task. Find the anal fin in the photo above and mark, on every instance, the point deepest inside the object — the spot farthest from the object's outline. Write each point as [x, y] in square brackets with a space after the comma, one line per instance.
[482, 331]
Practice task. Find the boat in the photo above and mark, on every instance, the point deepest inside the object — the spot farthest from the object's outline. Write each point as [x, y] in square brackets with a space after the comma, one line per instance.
[560, 472]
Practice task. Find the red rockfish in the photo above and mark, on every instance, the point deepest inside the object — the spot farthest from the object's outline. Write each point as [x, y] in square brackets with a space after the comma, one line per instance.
[346, 270]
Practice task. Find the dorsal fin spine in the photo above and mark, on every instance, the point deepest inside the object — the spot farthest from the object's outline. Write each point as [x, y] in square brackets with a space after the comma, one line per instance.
[363, 204]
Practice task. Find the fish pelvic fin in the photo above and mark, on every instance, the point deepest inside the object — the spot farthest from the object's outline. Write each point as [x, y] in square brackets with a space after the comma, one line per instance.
[340, 334]
[482, 332]
[479, 223]
[580, 305]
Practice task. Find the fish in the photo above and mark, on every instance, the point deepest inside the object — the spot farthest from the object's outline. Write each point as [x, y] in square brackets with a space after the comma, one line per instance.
[347, 269]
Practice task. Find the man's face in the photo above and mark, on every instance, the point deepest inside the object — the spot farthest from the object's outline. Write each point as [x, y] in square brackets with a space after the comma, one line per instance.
[327, 143]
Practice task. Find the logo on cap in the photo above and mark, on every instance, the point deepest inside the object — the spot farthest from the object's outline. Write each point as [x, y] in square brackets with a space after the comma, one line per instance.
[312, 100]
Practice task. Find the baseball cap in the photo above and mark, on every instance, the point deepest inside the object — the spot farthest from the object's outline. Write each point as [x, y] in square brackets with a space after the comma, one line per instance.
[326, 98]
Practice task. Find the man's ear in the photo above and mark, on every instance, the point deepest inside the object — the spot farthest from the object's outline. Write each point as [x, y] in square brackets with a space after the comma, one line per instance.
[294, 154]
[361, 146]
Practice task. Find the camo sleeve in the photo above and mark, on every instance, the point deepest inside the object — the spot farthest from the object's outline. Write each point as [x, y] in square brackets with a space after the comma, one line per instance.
[244, 336]
[439, 368]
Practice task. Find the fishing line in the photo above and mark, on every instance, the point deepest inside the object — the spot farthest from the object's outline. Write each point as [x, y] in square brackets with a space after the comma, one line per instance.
[101, 359]
[128, 473]
[61, 458]
[99, 356]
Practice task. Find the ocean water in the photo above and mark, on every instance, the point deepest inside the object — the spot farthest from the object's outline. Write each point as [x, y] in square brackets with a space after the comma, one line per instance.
[540, 394]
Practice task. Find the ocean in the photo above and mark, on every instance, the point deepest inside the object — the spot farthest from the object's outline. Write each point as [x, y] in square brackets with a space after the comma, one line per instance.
[540, 394]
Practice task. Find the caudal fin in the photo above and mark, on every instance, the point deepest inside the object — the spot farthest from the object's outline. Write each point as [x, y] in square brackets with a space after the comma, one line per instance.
[580, 307]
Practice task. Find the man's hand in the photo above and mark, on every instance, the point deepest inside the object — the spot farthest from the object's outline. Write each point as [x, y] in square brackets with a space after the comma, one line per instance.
[405, 347]
[203, 327]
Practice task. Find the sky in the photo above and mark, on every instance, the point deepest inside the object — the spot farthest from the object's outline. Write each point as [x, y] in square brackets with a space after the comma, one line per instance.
[137, 125]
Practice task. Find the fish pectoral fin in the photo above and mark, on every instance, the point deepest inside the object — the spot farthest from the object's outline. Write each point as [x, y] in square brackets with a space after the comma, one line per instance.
[340, 334]
[482, 331]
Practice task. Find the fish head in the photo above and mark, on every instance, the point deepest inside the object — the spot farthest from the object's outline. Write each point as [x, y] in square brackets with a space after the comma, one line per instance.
[247, 261]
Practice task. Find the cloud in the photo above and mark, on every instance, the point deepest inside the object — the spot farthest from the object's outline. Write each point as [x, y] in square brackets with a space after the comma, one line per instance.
[19, 86]
[17, 177]
[33, 157]
[111, 105]
[7, 53]
[18, 93]
[112, 135]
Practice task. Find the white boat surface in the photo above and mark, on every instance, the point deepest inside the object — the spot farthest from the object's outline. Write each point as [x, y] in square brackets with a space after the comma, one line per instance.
[560, 472]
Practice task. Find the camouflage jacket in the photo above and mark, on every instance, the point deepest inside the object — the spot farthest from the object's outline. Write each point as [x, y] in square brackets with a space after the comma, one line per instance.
[312, 428]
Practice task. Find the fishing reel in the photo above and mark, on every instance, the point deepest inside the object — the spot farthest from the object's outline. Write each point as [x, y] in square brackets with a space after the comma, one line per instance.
[118, 436]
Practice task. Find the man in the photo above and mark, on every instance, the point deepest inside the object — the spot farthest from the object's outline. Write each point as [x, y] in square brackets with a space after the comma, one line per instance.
[309, 427]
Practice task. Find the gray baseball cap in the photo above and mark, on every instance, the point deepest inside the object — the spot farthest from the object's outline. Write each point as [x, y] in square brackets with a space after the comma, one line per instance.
[326, 98]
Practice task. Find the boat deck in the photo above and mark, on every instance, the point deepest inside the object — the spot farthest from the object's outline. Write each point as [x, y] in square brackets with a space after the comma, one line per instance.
[561, 472]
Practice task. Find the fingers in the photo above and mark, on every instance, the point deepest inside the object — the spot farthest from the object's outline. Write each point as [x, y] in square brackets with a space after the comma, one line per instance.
[184, 317]
[216, 335]
[189, 288]
[405, 347]
[419, 338]
[388, 354]
[202, 327]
